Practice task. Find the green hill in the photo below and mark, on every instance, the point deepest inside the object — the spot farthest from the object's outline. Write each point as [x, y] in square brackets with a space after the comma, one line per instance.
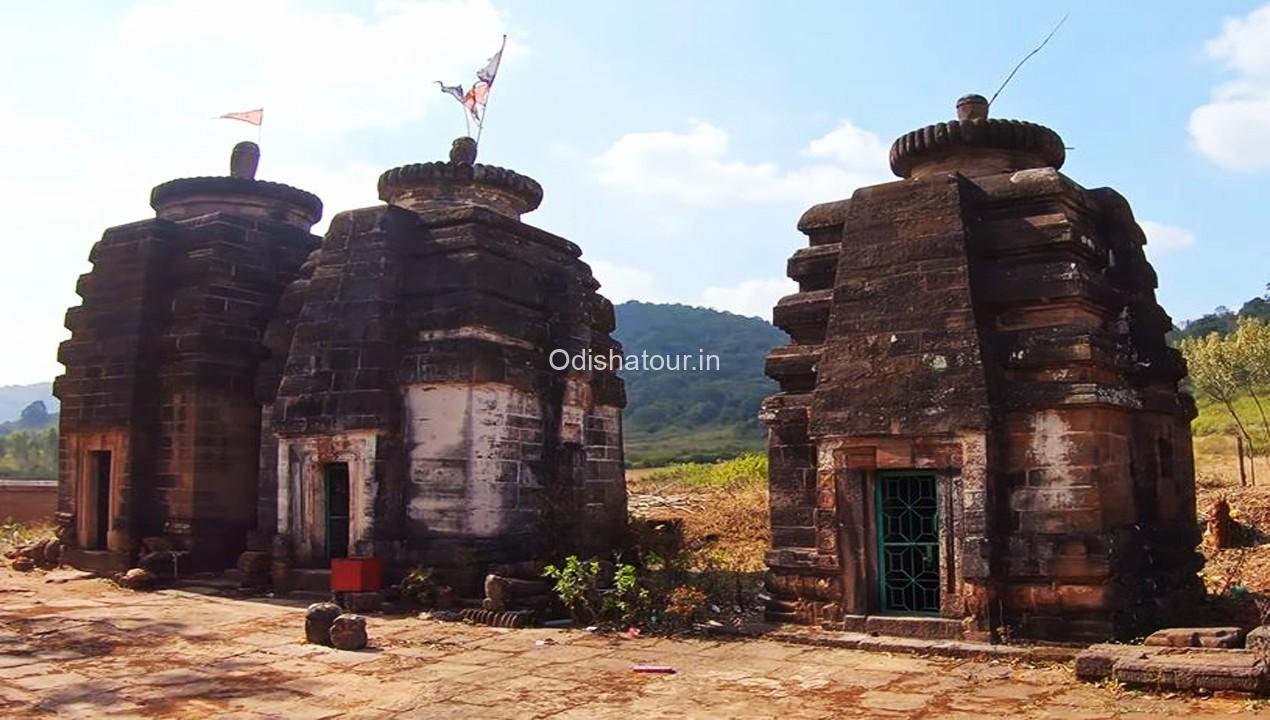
[1223, 319]
[675, 416]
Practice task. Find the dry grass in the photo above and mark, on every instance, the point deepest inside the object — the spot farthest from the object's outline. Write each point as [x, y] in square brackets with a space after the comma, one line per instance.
[1238, 577]
[14, 534]
[723, 507]
[725, 529]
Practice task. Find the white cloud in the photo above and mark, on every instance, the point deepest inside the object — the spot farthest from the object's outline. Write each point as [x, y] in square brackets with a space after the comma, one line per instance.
[620, 283]
[696, 167]
[316, 70]
[752, 298]
[1231, 128]
[132, 107]
[1165, 239]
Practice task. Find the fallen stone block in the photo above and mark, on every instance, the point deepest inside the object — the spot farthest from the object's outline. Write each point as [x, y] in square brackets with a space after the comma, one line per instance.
[1195, 669]
[160, 564]
[52, 555]
[1258, 643]
[317, 622]
[348, 632]
[1175, 668]
[1209, 637]
[45, 553]
[138, 579]
[1098, 661]
[503, 593]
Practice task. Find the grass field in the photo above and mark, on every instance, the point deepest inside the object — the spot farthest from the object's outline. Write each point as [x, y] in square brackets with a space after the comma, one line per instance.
[703, 444]
[1215, 419]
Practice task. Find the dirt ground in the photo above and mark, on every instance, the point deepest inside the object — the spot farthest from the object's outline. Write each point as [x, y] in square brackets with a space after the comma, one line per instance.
[1237, 578]
[87, 649]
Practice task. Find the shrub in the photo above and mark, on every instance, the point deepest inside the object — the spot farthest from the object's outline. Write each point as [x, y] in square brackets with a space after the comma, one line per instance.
[419, 585]
[576, 583]
[628, 601]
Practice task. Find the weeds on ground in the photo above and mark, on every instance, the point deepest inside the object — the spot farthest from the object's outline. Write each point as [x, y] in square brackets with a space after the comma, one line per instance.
[16, 534]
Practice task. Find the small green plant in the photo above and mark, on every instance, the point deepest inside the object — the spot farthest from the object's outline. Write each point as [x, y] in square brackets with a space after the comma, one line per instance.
[628, 601]
[576, 583]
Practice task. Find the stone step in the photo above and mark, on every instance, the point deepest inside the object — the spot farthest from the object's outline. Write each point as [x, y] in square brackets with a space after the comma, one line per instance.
[103, 562]
[309, 579]
[1175, 668]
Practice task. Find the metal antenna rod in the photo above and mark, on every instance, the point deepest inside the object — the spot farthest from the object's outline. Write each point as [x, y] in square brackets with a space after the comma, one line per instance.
[1026, 58]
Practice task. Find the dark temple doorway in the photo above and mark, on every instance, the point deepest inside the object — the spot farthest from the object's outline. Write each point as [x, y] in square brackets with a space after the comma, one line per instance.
[100, 468]
[336, 480]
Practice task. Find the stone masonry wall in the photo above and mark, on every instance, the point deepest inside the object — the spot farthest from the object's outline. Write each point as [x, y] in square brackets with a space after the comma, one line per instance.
[164, 350]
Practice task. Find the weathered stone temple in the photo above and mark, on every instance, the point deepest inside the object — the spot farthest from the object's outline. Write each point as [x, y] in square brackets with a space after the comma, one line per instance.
[979, 431]
[235, 383]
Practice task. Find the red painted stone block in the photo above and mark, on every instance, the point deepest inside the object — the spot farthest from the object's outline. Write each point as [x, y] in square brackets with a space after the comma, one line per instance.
[356, 574]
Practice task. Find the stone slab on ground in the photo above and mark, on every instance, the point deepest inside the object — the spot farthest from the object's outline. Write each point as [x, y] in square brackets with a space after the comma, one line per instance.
[1209, 637]
[1175, 668]
[803, 635]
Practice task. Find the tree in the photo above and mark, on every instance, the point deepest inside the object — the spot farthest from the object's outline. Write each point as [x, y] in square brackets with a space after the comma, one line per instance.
[20, 447]
[1251, 349]
[1219, 368]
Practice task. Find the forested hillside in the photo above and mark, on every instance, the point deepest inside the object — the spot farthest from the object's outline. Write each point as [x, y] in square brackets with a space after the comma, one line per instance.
[1223, 320]
[697, 415]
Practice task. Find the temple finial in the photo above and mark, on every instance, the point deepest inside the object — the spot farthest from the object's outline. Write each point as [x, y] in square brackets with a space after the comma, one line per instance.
[463, 151]
[244, 160]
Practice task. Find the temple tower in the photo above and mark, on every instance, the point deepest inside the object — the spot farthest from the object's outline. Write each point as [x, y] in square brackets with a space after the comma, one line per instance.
[413, 411]
[979, 427]
[159, 424]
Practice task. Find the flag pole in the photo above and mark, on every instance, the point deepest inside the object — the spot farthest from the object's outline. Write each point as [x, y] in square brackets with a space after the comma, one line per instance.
[480, 125]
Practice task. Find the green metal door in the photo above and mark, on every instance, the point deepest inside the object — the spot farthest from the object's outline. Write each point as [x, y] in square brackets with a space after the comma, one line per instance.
[336, 480]
[907, 504]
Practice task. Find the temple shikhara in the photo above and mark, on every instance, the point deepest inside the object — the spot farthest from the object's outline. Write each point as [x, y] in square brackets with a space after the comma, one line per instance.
[236, 384]
[979, 432]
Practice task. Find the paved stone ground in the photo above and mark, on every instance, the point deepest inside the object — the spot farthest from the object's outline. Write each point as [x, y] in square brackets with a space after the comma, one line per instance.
[86, 648]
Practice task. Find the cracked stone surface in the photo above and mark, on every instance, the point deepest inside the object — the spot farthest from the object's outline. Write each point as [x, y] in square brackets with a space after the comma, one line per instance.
[88, 649]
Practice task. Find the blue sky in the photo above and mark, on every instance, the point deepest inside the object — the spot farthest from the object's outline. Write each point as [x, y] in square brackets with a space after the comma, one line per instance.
[677, 142]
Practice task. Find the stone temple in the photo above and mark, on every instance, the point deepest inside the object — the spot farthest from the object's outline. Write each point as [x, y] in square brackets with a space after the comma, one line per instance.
[979, 432]
[235, 383]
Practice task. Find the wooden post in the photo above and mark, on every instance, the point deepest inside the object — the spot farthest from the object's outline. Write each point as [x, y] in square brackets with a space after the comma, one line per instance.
[1239, 446]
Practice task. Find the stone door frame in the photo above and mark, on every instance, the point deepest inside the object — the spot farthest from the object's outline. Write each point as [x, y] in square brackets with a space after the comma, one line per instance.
[856, 493]
[80, 448]
[302, 492]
